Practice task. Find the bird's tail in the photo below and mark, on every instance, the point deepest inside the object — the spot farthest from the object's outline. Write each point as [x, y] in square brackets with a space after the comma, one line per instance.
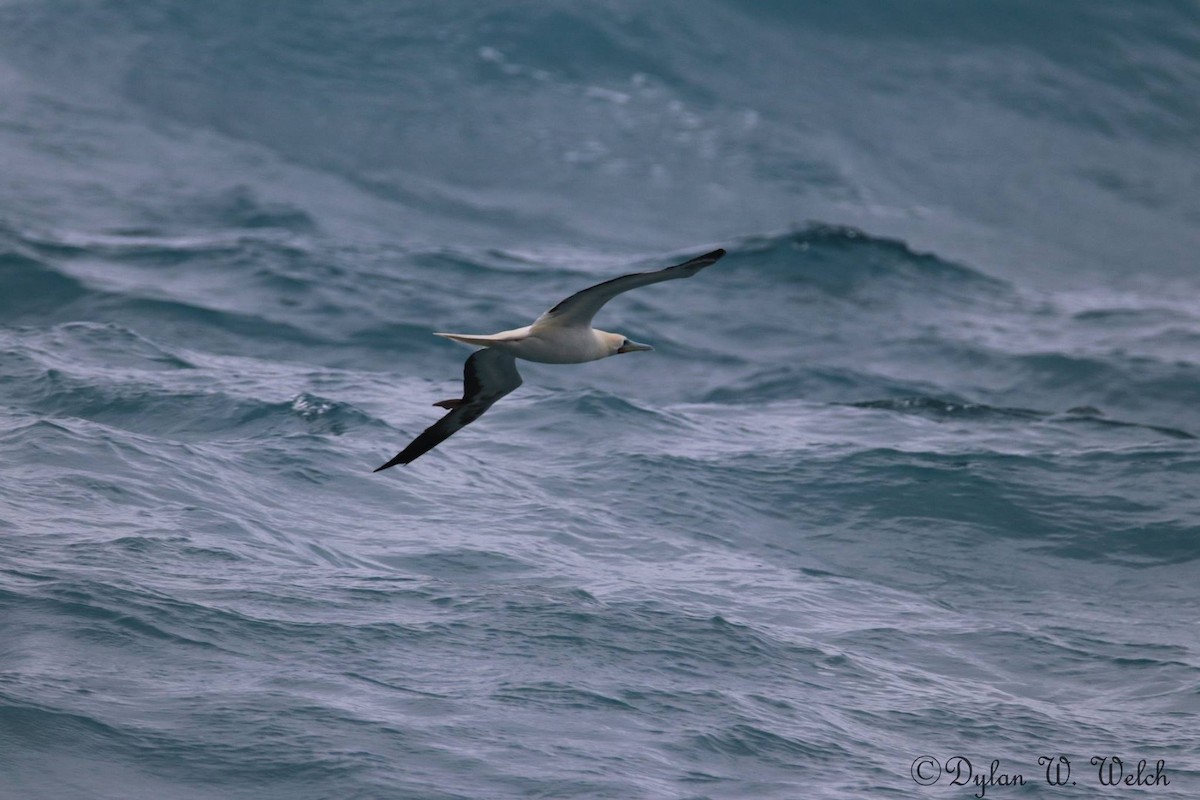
[480, 340]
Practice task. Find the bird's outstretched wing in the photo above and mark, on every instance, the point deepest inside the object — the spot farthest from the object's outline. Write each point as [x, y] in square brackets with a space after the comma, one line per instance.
[488, 375]
[579, 308]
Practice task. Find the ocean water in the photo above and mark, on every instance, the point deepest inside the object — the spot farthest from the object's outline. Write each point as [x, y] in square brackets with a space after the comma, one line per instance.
[912, 474]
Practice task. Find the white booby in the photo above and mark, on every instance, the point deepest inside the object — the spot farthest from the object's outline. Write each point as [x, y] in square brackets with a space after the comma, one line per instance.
[563, 335]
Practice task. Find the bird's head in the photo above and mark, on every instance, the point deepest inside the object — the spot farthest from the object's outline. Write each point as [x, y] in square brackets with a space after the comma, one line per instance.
[618, 343]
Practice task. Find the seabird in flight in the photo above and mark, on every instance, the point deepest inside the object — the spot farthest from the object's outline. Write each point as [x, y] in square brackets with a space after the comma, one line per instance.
[563, 335]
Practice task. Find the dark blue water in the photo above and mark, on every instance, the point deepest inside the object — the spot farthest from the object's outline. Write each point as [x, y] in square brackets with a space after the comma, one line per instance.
[913, 472]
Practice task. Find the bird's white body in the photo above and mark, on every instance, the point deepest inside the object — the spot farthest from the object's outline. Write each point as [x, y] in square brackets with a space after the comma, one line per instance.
[563, 335]
[552, 344]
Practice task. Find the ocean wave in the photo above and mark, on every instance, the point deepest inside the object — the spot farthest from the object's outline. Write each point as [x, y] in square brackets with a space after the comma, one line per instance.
[844, 261]
[178, 414]
[110, 375]
[936, 408]
[31, 287]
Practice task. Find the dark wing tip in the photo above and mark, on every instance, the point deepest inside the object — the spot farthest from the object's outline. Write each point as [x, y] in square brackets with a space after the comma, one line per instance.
[391, 463]
[706, 259]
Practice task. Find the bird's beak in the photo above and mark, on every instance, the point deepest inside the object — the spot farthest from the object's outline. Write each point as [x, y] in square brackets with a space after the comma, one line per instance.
[632, 347]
